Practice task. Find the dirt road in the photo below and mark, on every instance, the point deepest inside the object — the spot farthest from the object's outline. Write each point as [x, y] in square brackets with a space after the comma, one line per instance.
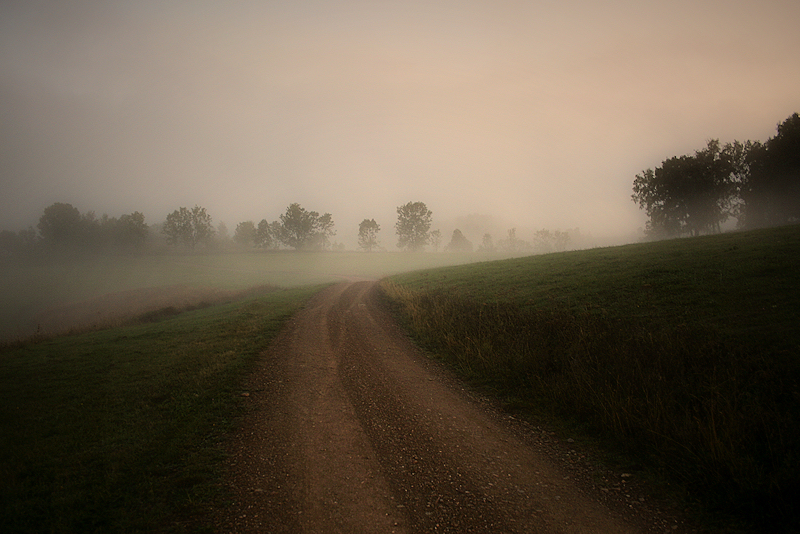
[351, 429]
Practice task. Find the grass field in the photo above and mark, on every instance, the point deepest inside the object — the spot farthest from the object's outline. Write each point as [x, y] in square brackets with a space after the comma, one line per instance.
[685, 353]
[31, 288]
[118, 430]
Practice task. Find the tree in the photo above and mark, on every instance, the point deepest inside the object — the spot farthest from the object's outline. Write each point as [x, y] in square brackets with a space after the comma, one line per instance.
[487, 245]
[188, 227]
[130, 231]
[413, 226]
[325, 230]
[770, 190]
[222, 234]
[268, 234]
[459, 243]
[245, 233]
[60, 224]
[688, 194]
[368, 234]
[547, 241]
[301, 229]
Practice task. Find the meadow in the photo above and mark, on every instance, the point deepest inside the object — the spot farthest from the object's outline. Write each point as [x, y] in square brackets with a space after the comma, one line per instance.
[681, 354]
[118, 430]
[36, 292]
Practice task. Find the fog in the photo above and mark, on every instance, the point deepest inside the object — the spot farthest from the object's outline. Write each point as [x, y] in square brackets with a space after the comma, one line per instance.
[538, 114]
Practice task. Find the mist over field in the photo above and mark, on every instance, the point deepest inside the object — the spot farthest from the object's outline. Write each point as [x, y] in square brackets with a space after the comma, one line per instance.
[530, 115]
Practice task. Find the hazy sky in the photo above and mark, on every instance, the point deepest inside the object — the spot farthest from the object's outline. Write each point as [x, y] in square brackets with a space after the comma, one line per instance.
[539, 112]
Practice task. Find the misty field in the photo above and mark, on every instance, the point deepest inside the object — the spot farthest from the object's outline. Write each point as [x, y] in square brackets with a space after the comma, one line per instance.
[683, 353]
[51, 295]
[680, 355]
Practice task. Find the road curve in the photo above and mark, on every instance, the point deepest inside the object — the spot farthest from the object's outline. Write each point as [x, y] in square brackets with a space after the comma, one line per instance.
[351, 429]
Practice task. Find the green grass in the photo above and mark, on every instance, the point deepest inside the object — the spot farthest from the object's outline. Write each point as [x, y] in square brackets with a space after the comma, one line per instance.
[118, 430]
[684, 352]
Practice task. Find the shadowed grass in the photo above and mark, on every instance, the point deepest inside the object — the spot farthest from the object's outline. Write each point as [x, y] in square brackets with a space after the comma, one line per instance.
[685, 352]
[117, 430]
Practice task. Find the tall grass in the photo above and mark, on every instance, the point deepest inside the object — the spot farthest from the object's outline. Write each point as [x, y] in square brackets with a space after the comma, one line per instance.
[713, 403]
[117, 430]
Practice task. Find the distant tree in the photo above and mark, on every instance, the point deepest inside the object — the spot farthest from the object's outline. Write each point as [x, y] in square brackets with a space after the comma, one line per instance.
[413, 226]
[301, 229]
[268, 234]
[514, 245]
[368, 234]
[486, 244]
[245, 234]
[511, 243]
[688, 194]
[547, 241]
[61, 224]
[130, 231]
[325, 230]
[222, 233]
[188, 227]
[459, 243]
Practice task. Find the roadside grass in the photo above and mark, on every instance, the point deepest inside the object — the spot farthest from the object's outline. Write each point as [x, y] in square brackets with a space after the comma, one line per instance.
[684, 353]
[118, 430]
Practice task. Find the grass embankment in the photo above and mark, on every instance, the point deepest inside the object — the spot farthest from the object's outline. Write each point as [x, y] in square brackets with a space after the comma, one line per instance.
[118, 430]
[685, 352]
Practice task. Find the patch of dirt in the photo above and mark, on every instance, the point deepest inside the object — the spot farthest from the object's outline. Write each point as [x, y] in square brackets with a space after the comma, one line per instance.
[350, 428]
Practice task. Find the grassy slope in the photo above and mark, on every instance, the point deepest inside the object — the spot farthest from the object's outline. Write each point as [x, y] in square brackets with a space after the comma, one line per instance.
[686, 351]
[117, 430]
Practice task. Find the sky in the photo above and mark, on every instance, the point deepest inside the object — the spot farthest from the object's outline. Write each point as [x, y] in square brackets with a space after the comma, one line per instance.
[536, 113]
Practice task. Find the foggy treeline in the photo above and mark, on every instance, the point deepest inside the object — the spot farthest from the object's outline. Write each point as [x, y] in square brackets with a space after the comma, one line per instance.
[756, 183]
[63, 228]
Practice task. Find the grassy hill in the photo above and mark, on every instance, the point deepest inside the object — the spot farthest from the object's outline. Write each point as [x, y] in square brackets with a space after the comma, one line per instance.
[685, 352]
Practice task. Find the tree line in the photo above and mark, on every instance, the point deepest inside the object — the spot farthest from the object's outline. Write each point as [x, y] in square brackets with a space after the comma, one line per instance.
[756, 183]
[63, 228]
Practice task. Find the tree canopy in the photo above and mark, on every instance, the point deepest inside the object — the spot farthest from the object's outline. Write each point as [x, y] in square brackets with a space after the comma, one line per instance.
[413, 226]
[304, 230]
[459, 242]
[60, 224]
[368, 234]
[758, 183]
[188, 227]
[770, 190]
